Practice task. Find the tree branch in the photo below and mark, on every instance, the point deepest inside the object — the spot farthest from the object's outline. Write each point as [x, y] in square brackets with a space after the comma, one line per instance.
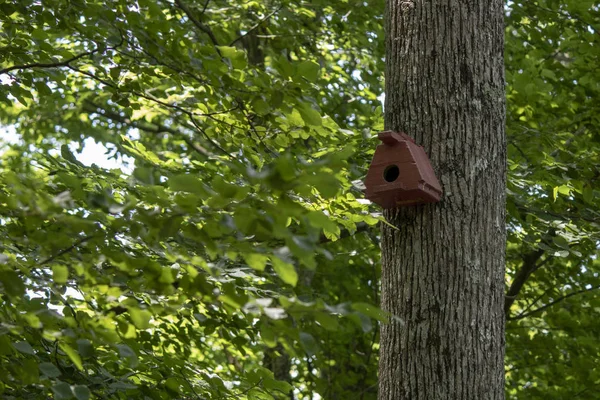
[534, 302]
[91, 107]
[203, 132]
[66, 250]
[204, 7]
[563, 216]
[259, 23]
[48, 65]
[529, 265]
[198, 24]
[527, 314]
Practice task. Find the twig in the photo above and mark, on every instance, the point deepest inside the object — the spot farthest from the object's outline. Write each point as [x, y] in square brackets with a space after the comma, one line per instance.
[524, 315]
[150, 97]
[511, 142]
[48, 65]
[204, 8]
[259, 23]
[203, 132]
[541, 296]
[253, 128]
[91, 107]
[567, 15]
[189, 383]
[198, 24]
[66, 250]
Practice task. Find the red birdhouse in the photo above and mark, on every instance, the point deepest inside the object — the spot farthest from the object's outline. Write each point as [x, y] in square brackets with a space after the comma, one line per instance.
[400, 173]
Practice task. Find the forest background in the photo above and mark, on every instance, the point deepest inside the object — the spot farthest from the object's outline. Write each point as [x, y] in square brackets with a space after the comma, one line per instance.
[228, 251]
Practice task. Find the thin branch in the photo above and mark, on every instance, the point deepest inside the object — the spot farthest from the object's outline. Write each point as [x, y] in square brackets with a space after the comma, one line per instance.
[567, 15]
[66, 250]
[150, 97]
[563, 216]
[259, 23]
[160, 62]
[93, 76]
[48, 65]
[527, 314]
[65, 63]
[188, 381]
[511, 142]
[253, 128]
[198, 24]
[534, 302]
[204, 8]
[190, 114]
[541, 264]
[91, 107]
[203, 132]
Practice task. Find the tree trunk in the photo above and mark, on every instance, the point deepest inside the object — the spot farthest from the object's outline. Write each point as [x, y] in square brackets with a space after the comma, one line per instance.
[443, 267]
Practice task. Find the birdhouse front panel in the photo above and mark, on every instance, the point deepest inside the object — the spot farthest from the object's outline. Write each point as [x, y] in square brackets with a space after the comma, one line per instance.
[400, 173]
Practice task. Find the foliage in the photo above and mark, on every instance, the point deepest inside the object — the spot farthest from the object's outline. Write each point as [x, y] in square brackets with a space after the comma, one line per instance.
[552, 49]
[231, 255]
[174, 276]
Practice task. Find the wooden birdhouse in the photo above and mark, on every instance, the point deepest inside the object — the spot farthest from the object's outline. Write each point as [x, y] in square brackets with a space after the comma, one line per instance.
[400, 173]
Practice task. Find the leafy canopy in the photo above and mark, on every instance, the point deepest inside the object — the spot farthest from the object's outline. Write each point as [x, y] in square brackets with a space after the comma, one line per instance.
[230, 254]
[215, 250]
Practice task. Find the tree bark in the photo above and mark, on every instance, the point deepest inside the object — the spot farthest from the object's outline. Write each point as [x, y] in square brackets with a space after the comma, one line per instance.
[443, 267]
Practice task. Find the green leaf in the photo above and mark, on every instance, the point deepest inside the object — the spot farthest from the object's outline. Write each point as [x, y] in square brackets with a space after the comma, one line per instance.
[327, 321]
[140, 318]
[237, 57]
[561, 242]
[370, 311]
[309, 343]
[588, 194]
[24, 347]
[309, 115]
[11, 283]
[85, 348]
[30, 373]
[285, 271]
[49, 370]
[127, 353]
[144, 175]
[60, 274]
[72, 355]
[319, 220]
[309, 70]
[268, 335]
[62, 391]
[173, 384]
[260, 106]
[325, 183]
[6, 348]
[81, 392]
[66, 153]
[187, 183]
[256, 261]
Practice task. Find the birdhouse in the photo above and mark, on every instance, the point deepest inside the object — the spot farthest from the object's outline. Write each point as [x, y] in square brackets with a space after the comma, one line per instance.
[400, 173]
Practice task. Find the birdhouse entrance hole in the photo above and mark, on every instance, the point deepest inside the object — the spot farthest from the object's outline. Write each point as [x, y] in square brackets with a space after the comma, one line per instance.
[391, 173]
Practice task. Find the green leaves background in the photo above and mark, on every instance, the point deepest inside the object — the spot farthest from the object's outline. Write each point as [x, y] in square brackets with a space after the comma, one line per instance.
[234, 239]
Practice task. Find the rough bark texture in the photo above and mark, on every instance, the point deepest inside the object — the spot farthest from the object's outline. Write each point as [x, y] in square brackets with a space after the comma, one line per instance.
[443, 268]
